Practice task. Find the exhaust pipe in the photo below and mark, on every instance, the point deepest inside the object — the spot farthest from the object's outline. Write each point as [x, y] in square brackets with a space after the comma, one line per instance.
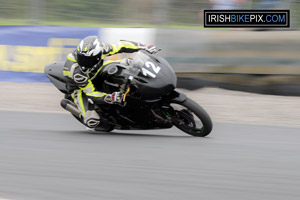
[70, 106]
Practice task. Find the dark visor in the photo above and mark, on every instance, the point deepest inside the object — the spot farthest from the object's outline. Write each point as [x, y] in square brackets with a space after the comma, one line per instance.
[88, 61]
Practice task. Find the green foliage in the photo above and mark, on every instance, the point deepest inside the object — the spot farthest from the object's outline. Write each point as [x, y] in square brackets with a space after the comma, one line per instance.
[77, 10]
[14, 9]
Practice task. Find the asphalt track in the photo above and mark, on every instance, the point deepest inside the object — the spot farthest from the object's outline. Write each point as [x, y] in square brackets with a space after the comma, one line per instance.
[51, 156]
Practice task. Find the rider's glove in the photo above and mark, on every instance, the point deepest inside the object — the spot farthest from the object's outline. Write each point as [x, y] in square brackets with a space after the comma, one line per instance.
[113, 98]
[148, 47]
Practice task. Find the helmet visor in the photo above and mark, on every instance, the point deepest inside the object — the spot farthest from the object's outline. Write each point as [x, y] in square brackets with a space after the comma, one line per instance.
[88, 61]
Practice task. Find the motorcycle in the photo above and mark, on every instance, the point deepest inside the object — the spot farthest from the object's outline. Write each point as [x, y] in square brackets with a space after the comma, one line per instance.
[150, 99]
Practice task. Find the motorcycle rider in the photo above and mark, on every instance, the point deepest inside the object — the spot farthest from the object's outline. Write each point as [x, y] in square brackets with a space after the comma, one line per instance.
[83, 65]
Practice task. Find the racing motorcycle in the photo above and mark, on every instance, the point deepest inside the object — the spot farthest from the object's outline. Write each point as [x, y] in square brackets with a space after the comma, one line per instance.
[150, 100]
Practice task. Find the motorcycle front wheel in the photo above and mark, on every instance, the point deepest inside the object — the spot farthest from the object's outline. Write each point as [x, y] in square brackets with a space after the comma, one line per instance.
[191, 118]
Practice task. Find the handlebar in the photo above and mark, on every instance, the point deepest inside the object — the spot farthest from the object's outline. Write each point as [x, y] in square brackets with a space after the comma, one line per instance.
[157, 50]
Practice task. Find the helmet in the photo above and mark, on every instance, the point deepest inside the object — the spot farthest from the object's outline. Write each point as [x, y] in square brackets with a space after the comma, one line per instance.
[89, 53]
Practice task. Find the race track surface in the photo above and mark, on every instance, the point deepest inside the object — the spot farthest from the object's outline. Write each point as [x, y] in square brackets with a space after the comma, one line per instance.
[52, 156]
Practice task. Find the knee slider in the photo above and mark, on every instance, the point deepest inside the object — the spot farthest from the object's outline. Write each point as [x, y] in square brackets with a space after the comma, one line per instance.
[91, 119]
[92, 123]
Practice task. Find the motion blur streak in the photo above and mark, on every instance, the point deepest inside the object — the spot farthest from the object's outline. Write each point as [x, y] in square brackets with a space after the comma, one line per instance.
[58, 159]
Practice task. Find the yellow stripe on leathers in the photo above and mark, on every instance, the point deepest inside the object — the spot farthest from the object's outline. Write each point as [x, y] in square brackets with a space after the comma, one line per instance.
[120, 45]
[90, 90]
[81, 102]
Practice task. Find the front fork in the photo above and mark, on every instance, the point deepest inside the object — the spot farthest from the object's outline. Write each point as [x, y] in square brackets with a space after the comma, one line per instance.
[174, 97]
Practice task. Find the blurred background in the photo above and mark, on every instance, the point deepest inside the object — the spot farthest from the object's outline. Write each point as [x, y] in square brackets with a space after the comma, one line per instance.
[46, 155]
[138, 13]
[34, 33]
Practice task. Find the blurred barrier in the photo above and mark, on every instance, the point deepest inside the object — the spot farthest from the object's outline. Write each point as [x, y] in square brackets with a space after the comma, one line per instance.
[256, 61]
[23, 77]
[25, 49]
[30, 48]
[253, 52]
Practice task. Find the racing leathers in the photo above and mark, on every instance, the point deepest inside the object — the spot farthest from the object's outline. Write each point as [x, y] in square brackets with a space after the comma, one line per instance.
[81, 87]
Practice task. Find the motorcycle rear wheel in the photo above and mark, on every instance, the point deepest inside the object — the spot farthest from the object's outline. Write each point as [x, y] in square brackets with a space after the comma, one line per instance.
[191, 118]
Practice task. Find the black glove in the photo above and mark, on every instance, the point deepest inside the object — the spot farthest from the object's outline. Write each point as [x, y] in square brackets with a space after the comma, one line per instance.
[114, 98]
[148, 47]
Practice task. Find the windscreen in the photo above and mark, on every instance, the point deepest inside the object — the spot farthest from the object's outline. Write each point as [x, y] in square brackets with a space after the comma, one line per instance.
[138, 63]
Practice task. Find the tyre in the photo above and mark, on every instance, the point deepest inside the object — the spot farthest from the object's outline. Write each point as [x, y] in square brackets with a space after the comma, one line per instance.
[191, 118]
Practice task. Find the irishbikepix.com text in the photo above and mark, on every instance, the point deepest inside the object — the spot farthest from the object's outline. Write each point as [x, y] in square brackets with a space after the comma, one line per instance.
[247, 18]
